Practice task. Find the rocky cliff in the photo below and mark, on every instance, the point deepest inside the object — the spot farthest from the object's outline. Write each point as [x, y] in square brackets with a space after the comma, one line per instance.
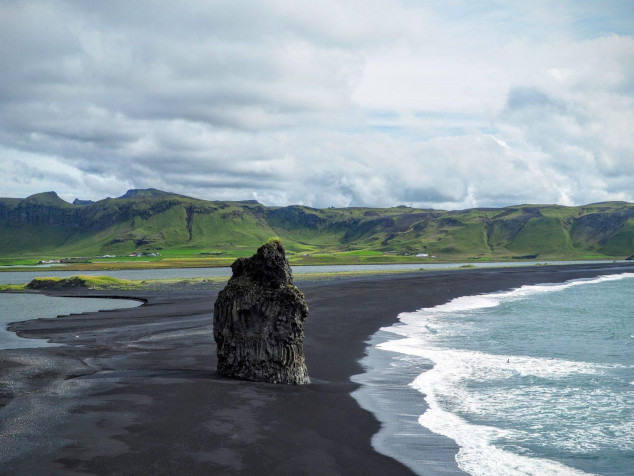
[259, 320]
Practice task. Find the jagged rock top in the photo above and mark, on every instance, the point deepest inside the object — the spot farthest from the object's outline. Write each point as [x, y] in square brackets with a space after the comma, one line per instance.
[268, 267]
[144, 193]
[46, 198]
[77, 201]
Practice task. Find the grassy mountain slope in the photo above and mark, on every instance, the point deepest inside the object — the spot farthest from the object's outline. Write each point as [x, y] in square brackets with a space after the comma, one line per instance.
[175, 225]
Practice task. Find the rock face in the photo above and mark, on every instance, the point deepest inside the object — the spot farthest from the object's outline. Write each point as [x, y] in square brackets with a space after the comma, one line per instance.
[259, 320]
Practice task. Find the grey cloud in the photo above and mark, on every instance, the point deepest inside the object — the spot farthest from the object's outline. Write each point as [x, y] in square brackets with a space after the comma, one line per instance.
[244, 99]
[578, 140]
[520, 98]
[256, 183]
[215, 65]
[28, 173]
[430, 195]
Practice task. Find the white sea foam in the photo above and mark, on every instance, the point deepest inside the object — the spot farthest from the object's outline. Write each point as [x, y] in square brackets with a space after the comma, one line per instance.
[443, 387]
[480, 365]
[430, 319]
[482, 301]
[477, 457]
[447, 393]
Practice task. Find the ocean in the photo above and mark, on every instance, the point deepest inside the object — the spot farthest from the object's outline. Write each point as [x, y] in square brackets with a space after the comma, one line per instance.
[537, 380]
[15, 307]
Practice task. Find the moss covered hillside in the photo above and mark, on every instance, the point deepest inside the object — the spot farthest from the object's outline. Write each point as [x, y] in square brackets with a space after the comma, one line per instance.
[174, 226]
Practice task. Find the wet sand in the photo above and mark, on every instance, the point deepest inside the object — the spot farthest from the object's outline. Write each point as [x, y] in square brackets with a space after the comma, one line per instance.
[135, 391]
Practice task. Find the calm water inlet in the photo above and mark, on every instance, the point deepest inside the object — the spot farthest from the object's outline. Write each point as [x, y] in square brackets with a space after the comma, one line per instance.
[21, 307]
[21, 277]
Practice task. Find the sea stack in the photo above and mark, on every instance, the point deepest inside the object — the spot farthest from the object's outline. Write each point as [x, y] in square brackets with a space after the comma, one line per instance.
[259, 320]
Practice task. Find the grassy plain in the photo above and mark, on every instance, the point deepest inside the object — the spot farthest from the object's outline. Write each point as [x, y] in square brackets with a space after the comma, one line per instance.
[317, 259]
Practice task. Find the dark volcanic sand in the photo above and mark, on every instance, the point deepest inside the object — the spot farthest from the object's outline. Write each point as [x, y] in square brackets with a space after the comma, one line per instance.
[136, 392]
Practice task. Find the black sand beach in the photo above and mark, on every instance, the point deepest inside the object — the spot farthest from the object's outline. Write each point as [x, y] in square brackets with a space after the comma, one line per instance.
[136, 392]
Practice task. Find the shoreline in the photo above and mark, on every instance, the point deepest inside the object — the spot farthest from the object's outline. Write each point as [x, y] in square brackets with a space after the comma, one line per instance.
[103, 267]
[136, 390]
[386, 390]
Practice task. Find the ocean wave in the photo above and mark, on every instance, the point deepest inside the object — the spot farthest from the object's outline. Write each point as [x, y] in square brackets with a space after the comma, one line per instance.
[478, 457]
[517, 385]
[447, 396]
[481, 365]
[483, 301]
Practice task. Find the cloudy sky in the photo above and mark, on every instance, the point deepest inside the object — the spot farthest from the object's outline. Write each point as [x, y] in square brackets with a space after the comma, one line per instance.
[444, 104]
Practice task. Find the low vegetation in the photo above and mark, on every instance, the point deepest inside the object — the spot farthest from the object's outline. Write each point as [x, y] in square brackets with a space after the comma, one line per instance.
[103, 283]
[90, 282]
[110, 283]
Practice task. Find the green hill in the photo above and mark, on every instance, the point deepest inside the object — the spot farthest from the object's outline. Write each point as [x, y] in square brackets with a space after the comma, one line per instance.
[175, 225]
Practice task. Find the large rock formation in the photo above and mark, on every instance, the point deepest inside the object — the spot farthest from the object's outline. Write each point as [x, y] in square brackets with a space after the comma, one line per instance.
[259, 320]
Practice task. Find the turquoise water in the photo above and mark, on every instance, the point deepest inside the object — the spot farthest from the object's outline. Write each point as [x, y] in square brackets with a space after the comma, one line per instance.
[537, 380]
[21, 307]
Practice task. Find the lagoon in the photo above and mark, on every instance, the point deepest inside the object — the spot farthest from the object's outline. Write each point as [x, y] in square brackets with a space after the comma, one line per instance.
[21, 277]
[16, 307]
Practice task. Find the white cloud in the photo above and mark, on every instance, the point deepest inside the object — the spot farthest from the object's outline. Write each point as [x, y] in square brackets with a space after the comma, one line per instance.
[358, 103]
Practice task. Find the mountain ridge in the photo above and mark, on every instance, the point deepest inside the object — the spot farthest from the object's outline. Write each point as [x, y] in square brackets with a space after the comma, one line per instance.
[154, 220]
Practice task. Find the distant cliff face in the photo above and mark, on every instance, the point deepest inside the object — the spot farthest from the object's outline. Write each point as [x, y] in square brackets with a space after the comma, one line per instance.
[259, 320]
[77, 201]
[40, 209]
[152, 220]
